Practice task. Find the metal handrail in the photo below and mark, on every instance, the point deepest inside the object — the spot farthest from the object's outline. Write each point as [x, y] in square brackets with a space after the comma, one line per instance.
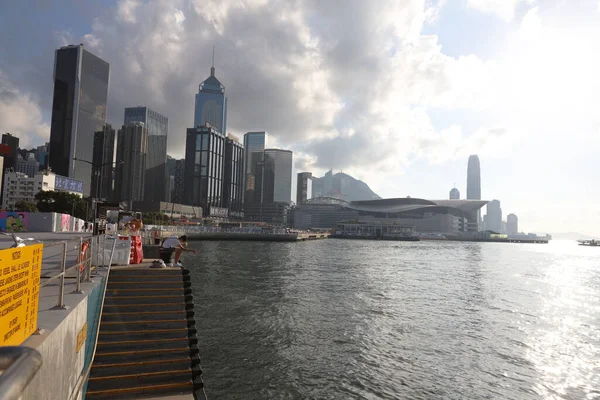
[19, 365]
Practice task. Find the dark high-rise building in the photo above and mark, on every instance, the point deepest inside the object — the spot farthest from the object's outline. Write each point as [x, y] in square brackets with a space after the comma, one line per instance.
[233, 177]
[204, 167]
[493, 220]
[474, 189]
[282, 174]
[454, 194]
[178, 184]
[10, 159]
[78, 110]
[254, 142]
[304, 188]
[132, 145]
[157, 126]
[104, 151]
[512, 224]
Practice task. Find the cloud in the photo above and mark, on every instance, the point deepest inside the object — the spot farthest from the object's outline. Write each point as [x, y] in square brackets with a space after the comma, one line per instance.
[21, 115]
[504, 9]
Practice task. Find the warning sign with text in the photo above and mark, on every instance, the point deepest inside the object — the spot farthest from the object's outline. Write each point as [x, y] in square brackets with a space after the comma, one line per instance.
[19, 293]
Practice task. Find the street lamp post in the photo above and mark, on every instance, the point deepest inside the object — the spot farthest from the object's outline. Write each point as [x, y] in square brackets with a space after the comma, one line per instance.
[96, 170]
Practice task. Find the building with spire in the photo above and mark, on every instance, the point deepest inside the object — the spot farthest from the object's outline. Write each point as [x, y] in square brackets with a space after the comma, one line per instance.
[211, 103]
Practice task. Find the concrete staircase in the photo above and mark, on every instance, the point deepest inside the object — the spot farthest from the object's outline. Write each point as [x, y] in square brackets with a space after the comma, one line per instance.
[147, 345]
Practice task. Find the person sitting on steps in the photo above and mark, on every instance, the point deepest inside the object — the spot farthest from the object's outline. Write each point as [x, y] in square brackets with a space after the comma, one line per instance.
[177, 245]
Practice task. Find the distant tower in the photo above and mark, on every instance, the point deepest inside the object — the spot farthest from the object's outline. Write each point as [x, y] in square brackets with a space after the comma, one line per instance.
[211, 103]
[454, 193]
[512, 224]
[474, 189]
[494, 217]
[473, 179]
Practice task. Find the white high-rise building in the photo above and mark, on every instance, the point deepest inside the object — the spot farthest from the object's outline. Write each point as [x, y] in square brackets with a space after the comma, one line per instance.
[20, 187]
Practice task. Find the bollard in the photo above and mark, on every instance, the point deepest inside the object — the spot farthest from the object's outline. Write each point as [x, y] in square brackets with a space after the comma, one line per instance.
[61, 287]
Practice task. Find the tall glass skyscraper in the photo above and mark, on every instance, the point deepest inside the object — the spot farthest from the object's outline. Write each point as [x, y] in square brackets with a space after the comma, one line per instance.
[104, 151]
[157, 126]
[254, 142]
[281, 161]
[474, 189]
[78, 110]
[204, 170]
[211, 104]
[132, 145]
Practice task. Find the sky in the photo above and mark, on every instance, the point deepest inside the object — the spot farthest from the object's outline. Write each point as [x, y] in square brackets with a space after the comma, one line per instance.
[396, 93]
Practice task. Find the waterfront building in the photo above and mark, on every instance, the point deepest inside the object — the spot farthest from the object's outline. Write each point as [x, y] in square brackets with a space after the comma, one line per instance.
[454, 194]
[512, 224]
[211, 104]
[132, 145]
[233, 179]
[179, 176]
[474, 189]
[20, 187]
[493, 220]
[41, 155]
[427, 216]
[27, 165]
[78, 110]
[104, 151]
[304, 187]
[157, 126]
[204, 167]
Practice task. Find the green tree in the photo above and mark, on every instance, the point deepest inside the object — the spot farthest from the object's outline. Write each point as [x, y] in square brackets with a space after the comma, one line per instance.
[61, 202]
[25, 206]
[154, 218]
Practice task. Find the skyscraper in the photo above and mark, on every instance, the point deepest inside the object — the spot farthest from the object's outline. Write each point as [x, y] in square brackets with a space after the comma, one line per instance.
[493, 220]
[454, 194]
[204, 162]
[512, 224]
[282, 161]
[132, 145]
[254, 142]
[179, 176]
[474, 190]
[304, 187]
[78, 110]
[10, 159]
[473, 179]
[157, 126]
[104, 151]
[233, 177]
[211, 103]
[27, 165]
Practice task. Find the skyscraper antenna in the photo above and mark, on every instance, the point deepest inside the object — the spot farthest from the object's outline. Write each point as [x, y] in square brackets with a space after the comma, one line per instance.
[213, 61]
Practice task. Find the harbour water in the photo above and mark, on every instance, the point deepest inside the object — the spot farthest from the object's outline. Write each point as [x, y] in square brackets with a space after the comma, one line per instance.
[341, 319]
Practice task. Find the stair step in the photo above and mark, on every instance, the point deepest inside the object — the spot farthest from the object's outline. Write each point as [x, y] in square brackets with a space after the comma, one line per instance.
[141, 334]
[156, 342]
[127, 326]
[144, 392]
[147, 314]
[146, 292]
[166, 306]
[116, 357]
[143, 366]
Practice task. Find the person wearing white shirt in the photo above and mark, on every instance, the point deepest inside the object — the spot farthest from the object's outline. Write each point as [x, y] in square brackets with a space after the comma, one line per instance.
[177, 245]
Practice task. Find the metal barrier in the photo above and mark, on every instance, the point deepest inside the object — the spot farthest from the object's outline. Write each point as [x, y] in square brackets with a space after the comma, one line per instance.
[84, 264]
[18, 365]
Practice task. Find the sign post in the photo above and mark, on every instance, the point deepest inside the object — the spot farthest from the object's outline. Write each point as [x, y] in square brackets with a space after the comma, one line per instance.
[19, 293]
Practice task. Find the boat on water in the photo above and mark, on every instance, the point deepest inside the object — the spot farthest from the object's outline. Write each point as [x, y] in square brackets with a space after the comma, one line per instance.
[592, 243]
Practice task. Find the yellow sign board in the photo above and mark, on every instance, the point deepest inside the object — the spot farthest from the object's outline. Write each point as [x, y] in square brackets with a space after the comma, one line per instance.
[81, 335]
[19, 293]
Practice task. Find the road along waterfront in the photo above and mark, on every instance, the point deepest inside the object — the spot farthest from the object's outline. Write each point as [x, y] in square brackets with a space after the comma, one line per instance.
[397, 320]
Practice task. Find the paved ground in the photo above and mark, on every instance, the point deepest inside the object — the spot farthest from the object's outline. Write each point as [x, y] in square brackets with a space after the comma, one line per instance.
[52, 256]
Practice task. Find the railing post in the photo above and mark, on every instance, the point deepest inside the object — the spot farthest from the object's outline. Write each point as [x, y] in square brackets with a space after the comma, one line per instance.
[88, 263]
[61, 287]
[81, 261]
